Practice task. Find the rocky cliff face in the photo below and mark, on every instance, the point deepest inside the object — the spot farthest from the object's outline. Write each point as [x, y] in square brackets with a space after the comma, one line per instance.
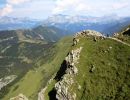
[89, 33]
[63, 87]
[6, 80]
[19, 97]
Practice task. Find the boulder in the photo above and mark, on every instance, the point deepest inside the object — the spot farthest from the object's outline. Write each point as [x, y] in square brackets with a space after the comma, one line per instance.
[89, 33]
[20, 97]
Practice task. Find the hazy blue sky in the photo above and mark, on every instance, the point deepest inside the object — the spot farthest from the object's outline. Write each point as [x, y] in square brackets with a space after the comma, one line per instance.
[41, 9]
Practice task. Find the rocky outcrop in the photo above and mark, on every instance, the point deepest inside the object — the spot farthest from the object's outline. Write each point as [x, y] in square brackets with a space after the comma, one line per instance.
[71, 60]
[6, 80]
[75, 41]
[6, 39]
[63, 87]
[20, 97]
[89, 33]
[42, 92]
[86, 33]
[126, 32]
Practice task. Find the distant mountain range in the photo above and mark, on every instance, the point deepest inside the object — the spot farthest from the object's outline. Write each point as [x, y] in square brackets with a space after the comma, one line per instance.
[9, 23]
[77, 23]
[37, 34]
[72, 24]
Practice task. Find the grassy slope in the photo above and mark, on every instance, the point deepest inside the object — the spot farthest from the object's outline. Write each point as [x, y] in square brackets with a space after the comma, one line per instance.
[20, 57]
[110, 79]
[124, 38]
[17, 55]
[36, 79]
[111, 76]
[124, 35]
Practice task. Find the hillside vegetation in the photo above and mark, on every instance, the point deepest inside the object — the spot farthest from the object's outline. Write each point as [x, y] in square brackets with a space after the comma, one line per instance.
[124, 35]
[46, 66]
[89, 66]
[103, 71]
[19, 49]
[24, 50]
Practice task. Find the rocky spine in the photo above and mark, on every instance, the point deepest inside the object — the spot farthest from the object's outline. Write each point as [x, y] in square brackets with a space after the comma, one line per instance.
[63, 86]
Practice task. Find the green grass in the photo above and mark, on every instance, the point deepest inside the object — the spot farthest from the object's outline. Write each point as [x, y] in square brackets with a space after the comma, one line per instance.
[36, 79]
[109, 80]
[27, 85]
[21, 57]
[49, 88]
[124, 38]
[124, 35]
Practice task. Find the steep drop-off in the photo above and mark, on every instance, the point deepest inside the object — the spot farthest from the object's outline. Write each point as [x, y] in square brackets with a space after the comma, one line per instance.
[88, 67]
[102, 70]
[35, 79]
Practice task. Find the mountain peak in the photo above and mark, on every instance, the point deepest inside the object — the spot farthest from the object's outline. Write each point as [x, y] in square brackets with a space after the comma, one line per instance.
[89, 33]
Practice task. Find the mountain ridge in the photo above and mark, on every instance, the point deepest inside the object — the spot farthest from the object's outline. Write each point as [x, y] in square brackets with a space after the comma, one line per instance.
[78, 63]
[86, 66]
[9, 23]
[75, 24]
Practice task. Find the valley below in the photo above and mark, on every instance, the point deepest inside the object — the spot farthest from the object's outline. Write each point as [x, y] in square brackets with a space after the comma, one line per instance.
[64, 49]
[50, 62]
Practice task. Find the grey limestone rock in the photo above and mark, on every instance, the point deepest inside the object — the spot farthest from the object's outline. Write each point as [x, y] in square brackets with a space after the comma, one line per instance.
[63, 87]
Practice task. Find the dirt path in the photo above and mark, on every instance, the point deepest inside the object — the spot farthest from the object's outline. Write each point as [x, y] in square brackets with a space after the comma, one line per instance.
[120, 41]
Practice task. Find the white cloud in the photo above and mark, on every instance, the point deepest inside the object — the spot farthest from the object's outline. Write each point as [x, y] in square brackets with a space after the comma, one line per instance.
[16, 2]
[44, 8]
[36, 9]
[64, 5]
[74, 6]
[9, 7]
[98, 7]
[120, 5]
[82, 6]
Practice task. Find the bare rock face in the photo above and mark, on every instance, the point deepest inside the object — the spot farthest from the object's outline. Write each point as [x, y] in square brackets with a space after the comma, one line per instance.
[6, 80]
[75, 41]
[126, 32]
[63, 87]
[72, 59]
[19, 97]
[41, 95]
[88, 33]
